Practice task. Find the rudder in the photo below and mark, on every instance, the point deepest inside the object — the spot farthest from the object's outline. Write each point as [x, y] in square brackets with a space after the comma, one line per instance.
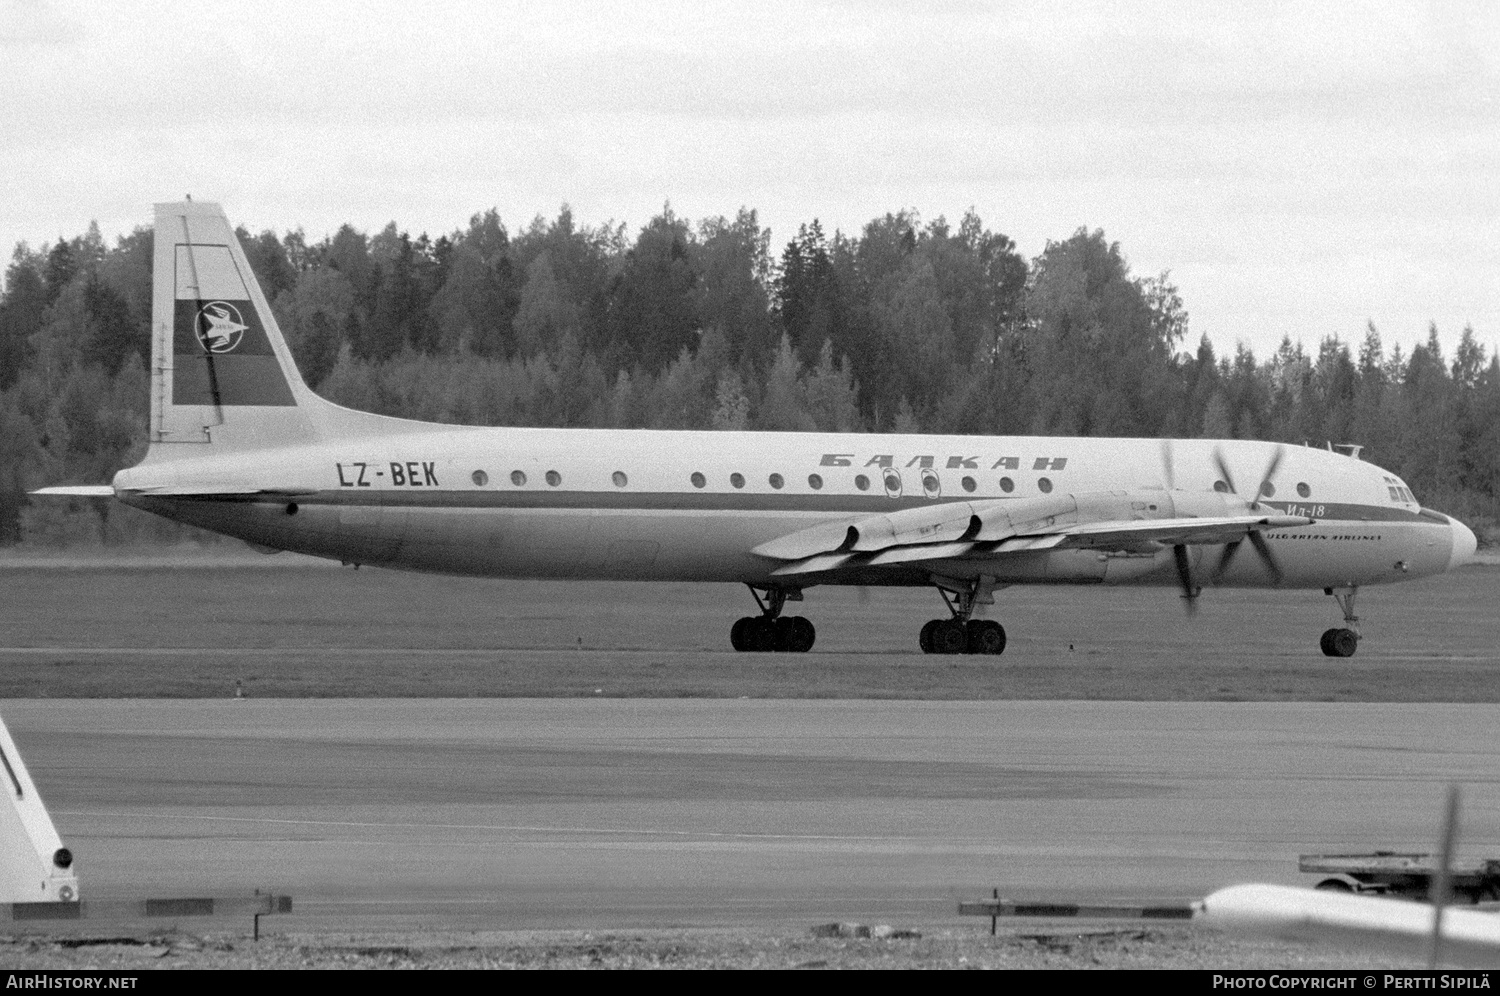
[221, 371]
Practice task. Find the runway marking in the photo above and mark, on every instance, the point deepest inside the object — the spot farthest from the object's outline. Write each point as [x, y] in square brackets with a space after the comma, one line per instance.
[516, 828]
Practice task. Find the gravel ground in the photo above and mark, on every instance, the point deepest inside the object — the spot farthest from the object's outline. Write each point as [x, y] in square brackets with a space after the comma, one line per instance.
[1035, 946]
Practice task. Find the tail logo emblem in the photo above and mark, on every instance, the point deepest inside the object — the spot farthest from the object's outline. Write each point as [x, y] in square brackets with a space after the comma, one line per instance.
[220, 327]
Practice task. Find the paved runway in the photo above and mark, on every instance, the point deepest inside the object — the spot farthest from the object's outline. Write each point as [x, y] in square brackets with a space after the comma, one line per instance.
[615, 813]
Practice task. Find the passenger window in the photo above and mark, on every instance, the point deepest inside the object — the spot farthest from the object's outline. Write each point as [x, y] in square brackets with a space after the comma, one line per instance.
[815, 482]
[737, 479]
[931, 484]
[892, 478]
[1303, 491]
[1044, 485]
[862, 482]
[776, 481]
[554, 478]
[518, 477]
[619, 478]
[480, 478]
[698, 480]
[1007, 485]
[969, 484]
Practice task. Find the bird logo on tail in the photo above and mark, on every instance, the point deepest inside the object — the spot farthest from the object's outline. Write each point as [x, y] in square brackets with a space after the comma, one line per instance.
[220, 327]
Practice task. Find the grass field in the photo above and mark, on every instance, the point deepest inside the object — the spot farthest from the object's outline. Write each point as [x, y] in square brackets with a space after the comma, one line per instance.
[289, 627]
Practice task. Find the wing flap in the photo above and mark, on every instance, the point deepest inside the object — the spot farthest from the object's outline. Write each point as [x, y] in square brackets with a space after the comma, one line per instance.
[931, 551]
[814, 564]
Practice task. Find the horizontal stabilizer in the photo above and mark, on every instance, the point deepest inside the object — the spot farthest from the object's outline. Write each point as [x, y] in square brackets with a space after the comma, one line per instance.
[78, 491]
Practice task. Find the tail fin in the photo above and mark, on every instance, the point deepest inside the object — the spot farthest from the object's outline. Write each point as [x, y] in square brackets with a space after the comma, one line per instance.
[221, 373]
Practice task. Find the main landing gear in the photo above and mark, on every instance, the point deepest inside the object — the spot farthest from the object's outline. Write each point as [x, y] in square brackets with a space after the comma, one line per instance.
[963, 634]
[1342, 642]
[771, 631]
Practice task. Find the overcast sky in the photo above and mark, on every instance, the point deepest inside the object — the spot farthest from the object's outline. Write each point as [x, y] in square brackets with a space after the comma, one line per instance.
[1299, 168]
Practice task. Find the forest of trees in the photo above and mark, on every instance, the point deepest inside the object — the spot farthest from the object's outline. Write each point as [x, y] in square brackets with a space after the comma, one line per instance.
[907, 326]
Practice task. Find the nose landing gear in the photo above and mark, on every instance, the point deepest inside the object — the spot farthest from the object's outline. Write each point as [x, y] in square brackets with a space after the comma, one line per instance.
[1342, 642]
[963, 634]
[771, 632]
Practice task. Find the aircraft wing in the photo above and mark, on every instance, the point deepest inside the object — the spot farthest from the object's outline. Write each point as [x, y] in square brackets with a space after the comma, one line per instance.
[1173, 532]
[985, 530]
[1470, 938]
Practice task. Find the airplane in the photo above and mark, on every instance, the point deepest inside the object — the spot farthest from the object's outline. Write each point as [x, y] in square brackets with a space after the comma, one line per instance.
[240, 445]
[1430, 930]
[1391, 927]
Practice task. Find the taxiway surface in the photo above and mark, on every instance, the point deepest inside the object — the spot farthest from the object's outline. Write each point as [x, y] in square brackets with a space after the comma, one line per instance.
[580, 814]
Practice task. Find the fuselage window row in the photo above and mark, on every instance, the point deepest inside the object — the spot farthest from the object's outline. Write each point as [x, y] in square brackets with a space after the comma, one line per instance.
[931, 483]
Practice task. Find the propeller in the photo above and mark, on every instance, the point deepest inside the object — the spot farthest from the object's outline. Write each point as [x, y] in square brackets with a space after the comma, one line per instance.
[1442, 882]
[1262, 548]
[1190, 589]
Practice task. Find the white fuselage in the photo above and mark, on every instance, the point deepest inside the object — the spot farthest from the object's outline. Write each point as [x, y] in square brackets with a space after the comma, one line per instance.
[691, 506]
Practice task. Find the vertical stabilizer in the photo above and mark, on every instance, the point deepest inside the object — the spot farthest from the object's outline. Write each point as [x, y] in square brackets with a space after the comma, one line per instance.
[221, 373]
[34, 865]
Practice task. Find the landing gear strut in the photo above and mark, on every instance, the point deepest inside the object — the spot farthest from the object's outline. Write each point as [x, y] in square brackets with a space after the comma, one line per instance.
[963, 634]
[1342, 642]
[771, 631]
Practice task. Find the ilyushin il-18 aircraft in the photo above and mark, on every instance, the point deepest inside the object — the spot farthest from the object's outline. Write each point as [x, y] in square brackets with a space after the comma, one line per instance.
[240, 445]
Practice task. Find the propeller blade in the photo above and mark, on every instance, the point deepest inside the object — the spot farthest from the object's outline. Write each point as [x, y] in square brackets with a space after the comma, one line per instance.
[1223, 469]
[1266, 556]
[1442, 883]
[1166, 465]
[1270, 471]
[1230, 549]
[1185, 575]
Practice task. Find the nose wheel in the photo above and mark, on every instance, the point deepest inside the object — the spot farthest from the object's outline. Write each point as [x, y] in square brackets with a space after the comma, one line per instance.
[772, 632]
[1342, 642]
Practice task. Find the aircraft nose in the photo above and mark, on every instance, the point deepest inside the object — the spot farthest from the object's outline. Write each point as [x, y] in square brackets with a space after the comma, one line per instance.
[1464, 544]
